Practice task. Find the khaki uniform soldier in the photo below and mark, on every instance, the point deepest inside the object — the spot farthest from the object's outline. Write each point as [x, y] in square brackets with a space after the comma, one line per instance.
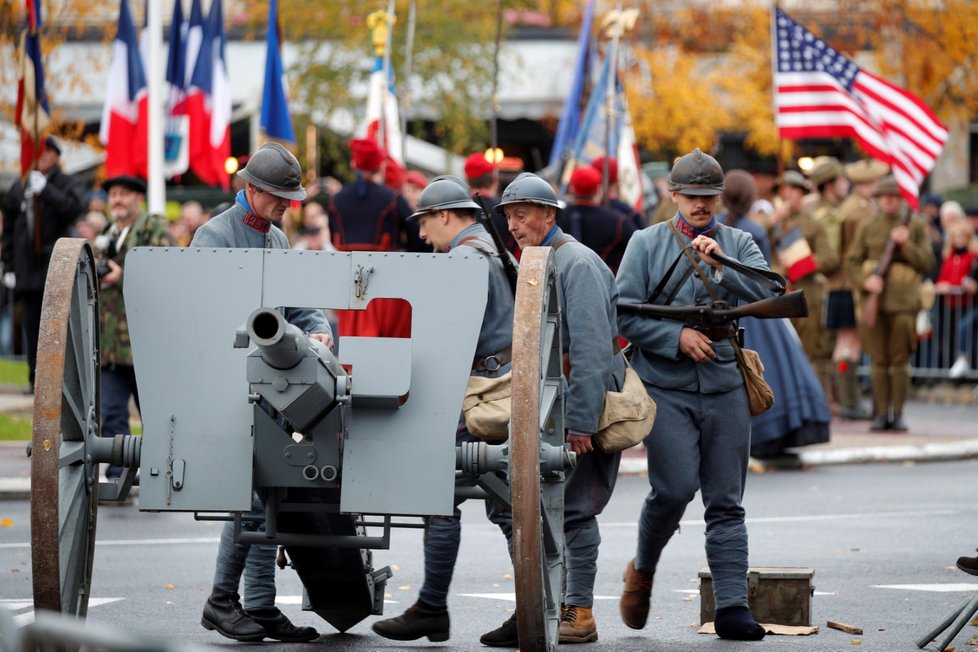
[828, 177]
[892, 338]
[805, 257]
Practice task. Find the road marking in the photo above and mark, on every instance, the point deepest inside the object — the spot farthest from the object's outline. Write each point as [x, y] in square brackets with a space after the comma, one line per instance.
[934, 588]
[806, 519]
[133, 542]
[511, 597]
[27, 618]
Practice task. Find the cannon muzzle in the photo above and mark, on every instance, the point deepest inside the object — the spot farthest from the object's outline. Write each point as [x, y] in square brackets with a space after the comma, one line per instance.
[282, 345]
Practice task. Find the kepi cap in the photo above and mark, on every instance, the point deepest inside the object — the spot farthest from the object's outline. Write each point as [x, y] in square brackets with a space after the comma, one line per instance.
[366, 155]
[477, 166]
[598, 164]
[585, 181]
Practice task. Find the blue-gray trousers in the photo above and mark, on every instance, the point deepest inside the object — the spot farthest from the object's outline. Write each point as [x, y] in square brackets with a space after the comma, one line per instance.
[699, 441]
[443, 536]
[255, 561]
[586, 492]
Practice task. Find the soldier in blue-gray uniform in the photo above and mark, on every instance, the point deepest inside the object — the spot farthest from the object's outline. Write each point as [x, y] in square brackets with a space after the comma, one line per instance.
[593, 365]
[273, 179]
[701, 436]
[446, 215]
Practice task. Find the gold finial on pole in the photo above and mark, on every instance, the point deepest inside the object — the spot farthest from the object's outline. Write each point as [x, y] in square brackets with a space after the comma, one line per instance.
[380, 23]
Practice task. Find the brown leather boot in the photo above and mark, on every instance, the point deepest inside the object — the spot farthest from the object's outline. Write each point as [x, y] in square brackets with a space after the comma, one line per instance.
[577, 625]
[635, 597]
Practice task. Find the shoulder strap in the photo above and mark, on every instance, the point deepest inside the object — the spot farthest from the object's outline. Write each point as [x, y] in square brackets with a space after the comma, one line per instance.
[467, 241]
[774, 280]
[561, 241]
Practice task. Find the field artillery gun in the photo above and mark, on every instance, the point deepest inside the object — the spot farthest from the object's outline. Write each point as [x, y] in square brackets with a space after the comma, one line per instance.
[368, 424]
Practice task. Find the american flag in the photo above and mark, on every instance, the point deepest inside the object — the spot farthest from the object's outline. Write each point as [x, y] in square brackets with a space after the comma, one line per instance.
[819, 93]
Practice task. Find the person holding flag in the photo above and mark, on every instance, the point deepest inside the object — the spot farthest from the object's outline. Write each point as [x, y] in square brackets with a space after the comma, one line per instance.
[806, 256]
[36, 212]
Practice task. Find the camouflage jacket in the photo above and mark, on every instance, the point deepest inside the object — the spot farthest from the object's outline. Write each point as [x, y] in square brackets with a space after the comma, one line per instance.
[146, 231]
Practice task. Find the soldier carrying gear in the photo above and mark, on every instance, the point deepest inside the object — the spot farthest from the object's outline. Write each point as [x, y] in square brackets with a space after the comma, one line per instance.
[275, 170]
[696, 174]
[892, 338]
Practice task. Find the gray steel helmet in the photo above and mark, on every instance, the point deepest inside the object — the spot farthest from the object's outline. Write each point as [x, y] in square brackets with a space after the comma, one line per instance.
[275, 170]
[443, 193]
[696, 174]
[530, 188]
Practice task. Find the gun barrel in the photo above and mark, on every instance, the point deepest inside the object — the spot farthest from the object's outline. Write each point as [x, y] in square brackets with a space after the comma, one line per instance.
[282, 345]
[791, 304]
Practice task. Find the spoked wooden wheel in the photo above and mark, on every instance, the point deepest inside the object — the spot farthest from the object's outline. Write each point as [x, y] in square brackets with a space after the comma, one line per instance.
[64, 480]
[537, 421]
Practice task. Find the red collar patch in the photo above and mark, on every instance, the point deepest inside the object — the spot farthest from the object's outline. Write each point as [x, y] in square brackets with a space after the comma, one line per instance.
[257, 223]
[688, 230]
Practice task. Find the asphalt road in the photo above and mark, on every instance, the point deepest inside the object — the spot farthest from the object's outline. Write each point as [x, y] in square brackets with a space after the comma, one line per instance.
[882, 540]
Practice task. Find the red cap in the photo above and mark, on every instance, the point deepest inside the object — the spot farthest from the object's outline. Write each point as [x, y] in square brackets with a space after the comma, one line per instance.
[416, 178]
[393, 174]
[585, 181]
[598, 164]
[366, 154]
[476, 166]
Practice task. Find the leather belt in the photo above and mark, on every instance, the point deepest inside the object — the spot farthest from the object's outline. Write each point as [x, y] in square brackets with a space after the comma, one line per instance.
[493, 362]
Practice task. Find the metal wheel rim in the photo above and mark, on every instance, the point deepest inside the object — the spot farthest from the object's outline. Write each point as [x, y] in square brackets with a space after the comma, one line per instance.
[64, 481]
[537, 416]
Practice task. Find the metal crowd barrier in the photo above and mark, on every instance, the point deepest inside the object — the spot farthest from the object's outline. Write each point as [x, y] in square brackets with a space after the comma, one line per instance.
[954, 333]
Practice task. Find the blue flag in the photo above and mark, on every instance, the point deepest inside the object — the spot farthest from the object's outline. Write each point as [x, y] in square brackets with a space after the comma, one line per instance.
[570, 118]
[275, 119]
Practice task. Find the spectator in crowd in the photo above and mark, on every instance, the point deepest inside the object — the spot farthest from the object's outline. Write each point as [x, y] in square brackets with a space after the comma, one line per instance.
[957, 289]
[130, 227]
[613, 198]
[414, 183]
[600, 228]
[89, 225]
[192, 216]
[36, 212]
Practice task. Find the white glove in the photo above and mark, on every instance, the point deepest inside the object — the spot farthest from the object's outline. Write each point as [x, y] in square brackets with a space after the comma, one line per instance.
[9, 280]
[36, 181]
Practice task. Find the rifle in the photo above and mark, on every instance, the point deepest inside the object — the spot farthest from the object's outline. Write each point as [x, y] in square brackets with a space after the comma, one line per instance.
[497, 239]
[790, 304]
[871, 305]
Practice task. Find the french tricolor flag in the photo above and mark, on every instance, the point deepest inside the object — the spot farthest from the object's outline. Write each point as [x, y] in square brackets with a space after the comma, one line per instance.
[795, 255]
[124, 129]
[209, 103]
[33, 113]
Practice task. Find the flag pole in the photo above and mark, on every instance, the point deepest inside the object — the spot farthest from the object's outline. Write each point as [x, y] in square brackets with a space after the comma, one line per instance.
[382, 123]
[408, 64]
[493, 108]
[611, 90]
[774, 90]
[156, 197]
[34, 202]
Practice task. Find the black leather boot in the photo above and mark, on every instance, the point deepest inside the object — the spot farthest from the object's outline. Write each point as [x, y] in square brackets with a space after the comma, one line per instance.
[897, 423]
[223, 614]
[279, 627]
[968, 565]
[506, 635]
[418, 621]
[880, 422]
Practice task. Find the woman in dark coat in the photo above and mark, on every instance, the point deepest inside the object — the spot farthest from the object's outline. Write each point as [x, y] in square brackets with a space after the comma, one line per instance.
[800, 415]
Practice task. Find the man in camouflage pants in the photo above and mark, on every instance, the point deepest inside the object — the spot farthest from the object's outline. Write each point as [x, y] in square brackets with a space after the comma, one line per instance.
[130, 227]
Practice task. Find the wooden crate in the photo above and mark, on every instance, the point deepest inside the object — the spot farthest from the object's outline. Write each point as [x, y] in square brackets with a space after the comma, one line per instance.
[776, 595]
